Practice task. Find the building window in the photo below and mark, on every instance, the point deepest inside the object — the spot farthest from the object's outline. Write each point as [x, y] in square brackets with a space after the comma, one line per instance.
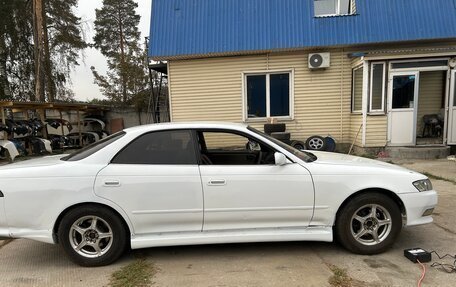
[333, 7]
[377, 87]
[357, 89]
[268, 95]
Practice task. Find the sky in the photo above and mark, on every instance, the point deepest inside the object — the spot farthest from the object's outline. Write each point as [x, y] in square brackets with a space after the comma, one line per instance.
[82, 78]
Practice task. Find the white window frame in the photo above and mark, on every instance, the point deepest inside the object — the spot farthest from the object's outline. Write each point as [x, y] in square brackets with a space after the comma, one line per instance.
[353, 91]
[337, 11]
[267, 73]
[371, 79]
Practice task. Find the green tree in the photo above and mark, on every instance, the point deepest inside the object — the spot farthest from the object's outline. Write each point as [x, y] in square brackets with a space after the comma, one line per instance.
[40, 41]
[62, 43]
[118, 38]
[16, 50]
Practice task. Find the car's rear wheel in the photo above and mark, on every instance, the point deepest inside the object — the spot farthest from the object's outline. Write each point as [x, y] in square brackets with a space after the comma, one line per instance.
[369, 223]
[92, 235]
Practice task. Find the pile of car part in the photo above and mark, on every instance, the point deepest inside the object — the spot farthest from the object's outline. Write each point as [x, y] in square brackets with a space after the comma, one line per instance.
[278, 131]
[315, 142]
[22, 137]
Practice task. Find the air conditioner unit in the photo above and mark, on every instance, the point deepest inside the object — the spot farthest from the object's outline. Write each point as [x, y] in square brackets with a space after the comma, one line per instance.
[318, 60]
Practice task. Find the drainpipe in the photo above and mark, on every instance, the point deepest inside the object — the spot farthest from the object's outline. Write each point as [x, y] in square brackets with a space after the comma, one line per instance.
[365, 98]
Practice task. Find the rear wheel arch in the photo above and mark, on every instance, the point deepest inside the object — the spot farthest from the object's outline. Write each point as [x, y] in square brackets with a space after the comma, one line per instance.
[55, 229]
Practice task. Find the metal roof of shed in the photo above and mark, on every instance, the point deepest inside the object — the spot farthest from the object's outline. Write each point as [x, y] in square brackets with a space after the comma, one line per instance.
[188, 28]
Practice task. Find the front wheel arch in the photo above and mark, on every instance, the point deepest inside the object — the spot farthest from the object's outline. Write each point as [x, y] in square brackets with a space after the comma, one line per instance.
[386, 192]
[55, 230]
[368, 222]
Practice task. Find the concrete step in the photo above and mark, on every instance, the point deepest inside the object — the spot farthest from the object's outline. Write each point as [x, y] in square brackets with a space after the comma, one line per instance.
[418, 152]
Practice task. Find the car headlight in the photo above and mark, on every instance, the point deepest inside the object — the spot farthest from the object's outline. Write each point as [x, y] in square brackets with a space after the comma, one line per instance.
[423, 184]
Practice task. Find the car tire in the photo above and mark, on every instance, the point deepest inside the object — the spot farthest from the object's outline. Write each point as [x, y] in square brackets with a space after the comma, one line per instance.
[298, 145]
[90, 243]
[281, 136]
[274, 128]
[330, 144]
[362, 232]
[316, 143]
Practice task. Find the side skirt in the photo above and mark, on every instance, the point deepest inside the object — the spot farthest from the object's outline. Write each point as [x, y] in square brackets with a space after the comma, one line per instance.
[322, 233]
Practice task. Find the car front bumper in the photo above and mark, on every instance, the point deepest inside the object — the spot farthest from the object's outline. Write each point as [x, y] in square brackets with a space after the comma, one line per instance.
[418, 205]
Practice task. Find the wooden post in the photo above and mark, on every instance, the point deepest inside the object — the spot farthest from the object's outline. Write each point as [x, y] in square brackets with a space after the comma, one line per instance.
[27, 117]
[43, 120]
[63, 131]
[5, 136]
[79, 129]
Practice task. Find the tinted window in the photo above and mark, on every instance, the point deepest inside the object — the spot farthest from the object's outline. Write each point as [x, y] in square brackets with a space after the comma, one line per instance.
[357, 99]
[256, 96]
[164, 147]
[280, 94]
[403, 92]
[94, 147]
[377, 86]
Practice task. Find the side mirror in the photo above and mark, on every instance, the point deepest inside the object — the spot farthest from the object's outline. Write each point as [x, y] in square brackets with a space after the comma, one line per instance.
[280, 158]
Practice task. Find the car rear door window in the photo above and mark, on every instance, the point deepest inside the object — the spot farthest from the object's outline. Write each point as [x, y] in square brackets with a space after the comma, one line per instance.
[162, 147]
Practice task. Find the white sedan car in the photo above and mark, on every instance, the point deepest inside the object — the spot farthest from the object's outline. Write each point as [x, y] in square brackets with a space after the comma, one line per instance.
[201, 183]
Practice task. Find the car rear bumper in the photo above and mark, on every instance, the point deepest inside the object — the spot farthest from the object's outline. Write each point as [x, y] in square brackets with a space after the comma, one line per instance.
[417, 205]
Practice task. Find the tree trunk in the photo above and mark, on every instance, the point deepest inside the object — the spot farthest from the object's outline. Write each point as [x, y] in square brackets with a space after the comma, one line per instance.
[38, 49]
[122, 61]
[5, 92]
[49, 79]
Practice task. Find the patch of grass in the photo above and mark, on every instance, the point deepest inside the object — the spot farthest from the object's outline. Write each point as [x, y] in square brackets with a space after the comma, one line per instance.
[436, 177]
[136, 274]
[340, 277]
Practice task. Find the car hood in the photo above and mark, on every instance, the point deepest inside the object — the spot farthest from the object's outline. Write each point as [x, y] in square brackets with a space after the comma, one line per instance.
[42, 161]
[353, 164]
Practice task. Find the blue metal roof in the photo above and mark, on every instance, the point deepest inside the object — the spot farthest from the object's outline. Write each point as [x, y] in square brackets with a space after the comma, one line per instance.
[211, 27]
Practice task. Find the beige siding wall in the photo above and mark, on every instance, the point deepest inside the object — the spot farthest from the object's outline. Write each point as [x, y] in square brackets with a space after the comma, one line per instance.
[356, 132]
[431, 96]
[211, 89]
[377, 131]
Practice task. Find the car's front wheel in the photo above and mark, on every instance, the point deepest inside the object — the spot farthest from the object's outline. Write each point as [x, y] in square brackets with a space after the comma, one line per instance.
[92, 235]
[369, 223]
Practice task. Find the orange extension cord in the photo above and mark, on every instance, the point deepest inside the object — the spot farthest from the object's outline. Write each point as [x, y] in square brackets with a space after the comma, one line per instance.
[422, 273]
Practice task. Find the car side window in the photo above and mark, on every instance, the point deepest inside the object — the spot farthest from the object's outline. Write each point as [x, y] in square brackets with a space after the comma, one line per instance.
[228, 148]
[162, 147]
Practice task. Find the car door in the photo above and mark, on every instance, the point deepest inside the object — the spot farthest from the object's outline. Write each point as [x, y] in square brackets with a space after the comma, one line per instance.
[156, 181]
[244, 189]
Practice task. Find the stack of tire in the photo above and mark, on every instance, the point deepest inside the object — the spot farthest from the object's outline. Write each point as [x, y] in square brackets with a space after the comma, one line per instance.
[278, 131]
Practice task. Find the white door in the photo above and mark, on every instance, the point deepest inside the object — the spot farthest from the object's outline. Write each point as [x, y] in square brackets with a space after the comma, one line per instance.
[156, 181]
[402, 107]
[452, 110]
[244, 189]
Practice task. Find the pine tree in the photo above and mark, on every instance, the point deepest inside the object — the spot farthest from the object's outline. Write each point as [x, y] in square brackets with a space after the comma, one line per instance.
[40, 41]
[118, 38]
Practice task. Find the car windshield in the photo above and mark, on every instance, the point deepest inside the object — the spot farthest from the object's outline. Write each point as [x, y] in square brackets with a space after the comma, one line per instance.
[93, 148]
[303, 155]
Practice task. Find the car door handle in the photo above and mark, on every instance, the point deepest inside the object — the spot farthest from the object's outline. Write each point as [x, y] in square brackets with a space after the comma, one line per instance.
[112, 183]
[217, 182]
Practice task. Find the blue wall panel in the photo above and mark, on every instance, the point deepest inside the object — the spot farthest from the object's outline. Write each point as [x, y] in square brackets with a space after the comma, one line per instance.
[196, 27]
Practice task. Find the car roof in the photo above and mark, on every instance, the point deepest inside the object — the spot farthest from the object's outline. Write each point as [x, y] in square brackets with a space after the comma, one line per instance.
[187, 125]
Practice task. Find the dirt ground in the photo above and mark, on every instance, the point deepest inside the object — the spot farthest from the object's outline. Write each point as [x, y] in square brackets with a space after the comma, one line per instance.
[28, 263]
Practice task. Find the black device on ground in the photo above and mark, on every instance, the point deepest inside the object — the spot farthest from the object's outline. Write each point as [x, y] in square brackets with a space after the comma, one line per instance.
[417, 254]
